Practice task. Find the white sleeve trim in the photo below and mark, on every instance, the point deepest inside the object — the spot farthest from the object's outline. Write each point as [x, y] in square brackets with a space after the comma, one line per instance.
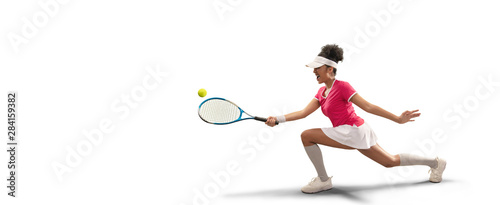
[349, 100]
[316, 98]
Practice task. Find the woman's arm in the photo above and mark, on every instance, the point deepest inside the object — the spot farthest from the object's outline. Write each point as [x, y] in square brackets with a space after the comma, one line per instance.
[310, 108]
[407, 116]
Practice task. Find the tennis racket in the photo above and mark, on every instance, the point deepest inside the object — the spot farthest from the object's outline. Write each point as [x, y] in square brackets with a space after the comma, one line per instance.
[219, 111]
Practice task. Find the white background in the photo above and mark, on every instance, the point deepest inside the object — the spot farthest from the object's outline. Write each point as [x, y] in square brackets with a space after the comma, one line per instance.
[84, 57]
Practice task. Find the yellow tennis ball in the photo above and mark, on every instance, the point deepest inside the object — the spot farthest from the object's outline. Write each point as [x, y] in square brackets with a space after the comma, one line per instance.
[202, 92]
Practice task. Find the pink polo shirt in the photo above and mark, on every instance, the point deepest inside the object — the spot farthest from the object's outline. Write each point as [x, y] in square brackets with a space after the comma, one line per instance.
[337, 105]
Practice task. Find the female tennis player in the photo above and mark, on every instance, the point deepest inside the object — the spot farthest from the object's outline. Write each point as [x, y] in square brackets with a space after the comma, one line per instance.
[349, 131]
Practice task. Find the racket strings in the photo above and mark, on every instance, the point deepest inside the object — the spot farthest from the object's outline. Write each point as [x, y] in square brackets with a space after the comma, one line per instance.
[219, 111]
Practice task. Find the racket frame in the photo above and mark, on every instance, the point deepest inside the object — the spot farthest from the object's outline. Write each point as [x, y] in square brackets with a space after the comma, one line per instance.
[239, 117]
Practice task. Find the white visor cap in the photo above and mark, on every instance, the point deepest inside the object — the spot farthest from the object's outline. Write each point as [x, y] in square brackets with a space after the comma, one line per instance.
[319, 61]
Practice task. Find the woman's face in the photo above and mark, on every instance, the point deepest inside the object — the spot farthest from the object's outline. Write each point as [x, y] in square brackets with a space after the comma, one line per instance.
[323, 74]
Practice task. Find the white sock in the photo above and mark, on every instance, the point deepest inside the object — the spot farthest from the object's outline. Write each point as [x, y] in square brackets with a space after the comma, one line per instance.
[409, 159]
[316, 158]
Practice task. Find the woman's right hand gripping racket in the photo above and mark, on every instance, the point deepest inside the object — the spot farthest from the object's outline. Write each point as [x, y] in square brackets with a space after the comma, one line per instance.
[219, 111]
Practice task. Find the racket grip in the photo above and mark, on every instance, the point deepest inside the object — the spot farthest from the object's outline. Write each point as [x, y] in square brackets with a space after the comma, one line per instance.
[263, 119]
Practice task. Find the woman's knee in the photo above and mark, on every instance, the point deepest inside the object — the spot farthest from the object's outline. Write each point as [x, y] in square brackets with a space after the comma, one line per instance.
[306, 137]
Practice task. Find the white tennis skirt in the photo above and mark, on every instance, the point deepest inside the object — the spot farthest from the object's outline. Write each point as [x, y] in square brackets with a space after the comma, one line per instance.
[361, 137]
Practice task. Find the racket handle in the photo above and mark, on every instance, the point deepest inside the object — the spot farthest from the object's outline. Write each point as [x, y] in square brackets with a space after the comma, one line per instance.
[263, 119]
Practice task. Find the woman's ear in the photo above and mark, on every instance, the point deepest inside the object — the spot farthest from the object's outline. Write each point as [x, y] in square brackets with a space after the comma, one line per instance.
[329, 69]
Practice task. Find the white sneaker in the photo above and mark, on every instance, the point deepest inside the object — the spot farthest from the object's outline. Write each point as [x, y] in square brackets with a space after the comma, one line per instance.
[316, 185]
[437, 173]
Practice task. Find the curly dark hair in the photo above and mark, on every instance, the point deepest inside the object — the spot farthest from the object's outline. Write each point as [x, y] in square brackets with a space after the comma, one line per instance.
[332, 52]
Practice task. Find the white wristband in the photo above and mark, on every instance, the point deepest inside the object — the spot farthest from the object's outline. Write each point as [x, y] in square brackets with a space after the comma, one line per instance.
[281, 118]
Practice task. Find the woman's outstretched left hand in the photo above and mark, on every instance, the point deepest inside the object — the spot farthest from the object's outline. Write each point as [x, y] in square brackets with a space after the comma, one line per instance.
[408, 116]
